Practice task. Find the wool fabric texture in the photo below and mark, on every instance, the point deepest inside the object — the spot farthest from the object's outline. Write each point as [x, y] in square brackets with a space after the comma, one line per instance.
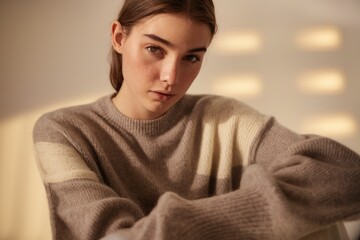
[210, 168]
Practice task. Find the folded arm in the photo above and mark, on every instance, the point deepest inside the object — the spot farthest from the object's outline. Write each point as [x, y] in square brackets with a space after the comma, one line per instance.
[295, 185]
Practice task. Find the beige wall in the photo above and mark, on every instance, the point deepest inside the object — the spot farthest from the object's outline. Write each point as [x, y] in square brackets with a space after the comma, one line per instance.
[54, 53]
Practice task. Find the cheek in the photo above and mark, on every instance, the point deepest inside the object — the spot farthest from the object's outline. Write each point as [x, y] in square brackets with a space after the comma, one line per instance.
[191, 74]
[136, 65]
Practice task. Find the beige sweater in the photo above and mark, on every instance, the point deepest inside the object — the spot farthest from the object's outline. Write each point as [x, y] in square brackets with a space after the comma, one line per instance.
[210, 168]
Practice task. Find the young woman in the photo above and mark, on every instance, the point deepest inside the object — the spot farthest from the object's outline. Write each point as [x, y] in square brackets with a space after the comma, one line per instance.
[150, 162]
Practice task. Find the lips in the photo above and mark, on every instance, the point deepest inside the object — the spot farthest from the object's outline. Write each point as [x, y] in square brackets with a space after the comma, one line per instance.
[162, 95]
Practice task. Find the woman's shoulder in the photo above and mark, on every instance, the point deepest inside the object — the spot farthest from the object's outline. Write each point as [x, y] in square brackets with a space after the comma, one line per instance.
[71, 116]
[221, 105]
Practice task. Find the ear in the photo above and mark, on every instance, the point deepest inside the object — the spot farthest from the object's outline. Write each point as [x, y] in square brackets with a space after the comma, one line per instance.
[117, 36]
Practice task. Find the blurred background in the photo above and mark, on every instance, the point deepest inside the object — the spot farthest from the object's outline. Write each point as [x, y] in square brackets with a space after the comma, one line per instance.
[295, 60]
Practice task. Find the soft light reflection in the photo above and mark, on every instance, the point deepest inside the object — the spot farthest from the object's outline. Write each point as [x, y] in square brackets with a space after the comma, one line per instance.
[19, 169]
[239, 42]
[24, 209]
[244, 85]
[338, 125]
[322, 82]
[322, 38]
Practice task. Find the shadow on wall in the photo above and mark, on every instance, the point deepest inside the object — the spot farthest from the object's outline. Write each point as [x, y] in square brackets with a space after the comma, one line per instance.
[53, 51]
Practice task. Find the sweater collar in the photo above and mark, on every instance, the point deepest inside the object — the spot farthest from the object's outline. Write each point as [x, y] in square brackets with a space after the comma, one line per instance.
[147, 127]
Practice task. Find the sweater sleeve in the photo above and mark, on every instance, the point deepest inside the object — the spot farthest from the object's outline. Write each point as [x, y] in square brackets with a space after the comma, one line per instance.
[81, 205]
[284, 194]
[295, 186]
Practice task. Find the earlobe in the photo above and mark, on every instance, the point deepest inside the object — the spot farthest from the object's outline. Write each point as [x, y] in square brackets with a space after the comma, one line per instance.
[117, 36]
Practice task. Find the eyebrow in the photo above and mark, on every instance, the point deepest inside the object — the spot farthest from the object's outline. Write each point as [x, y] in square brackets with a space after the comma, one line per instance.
[167, 43]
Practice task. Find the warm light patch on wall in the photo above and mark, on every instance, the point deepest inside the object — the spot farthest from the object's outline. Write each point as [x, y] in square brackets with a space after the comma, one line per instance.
[336, 125]
[18, 166]
[322, 38]
[242, 42]
[244, 85]
[322, 82]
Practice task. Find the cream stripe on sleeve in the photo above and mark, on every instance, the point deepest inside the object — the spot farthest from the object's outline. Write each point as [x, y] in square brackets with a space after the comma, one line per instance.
[58, 163]
[219, 138]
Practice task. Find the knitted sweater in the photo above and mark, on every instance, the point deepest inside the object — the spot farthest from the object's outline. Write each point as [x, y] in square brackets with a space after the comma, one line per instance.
[210, 168]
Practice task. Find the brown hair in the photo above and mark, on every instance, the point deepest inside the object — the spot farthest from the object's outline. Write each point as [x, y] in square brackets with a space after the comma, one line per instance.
[201, 11]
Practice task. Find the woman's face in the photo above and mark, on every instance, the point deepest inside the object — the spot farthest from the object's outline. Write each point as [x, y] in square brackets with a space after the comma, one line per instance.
[162, 55]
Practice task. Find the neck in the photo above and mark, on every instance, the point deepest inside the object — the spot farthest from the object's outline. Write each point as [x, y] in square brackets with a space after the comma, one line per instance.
[123, 106]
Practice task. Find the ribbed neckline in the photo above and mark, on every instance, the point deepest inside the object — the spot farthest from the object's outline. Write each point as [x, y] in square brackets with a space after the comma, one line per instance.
[108, 110]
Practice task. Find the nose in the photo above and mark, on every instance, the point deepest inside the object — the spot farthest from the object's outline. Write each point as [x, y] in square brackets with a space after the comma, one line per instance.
[170, 72]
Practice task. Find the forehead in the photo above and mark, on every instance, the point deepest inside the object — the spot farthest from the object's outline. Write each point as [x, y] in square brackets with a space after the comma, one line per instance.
[175, 28]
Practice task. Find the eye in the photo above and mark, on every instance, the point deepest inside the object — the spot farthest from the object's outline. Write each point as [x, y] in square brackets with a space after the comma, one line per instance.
[154, 49]
[192, 58]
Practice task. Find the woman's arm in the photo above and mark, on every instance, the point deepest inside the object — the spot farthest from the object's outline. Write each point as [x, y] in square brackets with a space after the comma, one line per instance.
[318, 176]
[296, 185]
[286, 193]
[81, 205]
